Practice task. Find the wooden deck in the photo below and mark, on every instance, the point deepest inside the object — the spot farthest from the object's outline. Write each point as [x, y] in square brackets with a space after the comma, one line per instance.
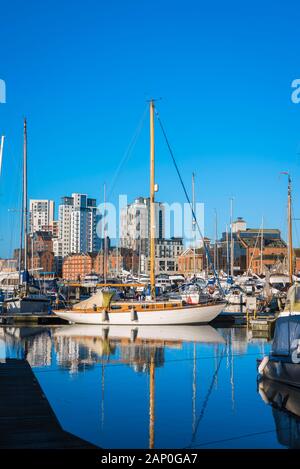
[26, 417]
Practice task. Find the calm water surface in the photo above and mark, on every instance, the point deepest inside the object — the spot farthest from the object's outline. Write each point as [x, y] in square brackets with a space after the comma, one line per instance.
[161, 387]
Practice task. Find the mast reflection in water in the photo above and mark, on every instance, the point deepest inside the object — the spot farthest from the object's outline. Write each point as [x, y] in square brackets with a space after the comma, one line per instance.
[151, 386]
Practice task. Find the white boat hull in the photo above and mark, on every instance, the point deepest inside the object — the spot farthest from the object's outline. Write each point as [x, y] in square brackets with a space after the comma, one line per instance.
[186, 315]
[186, 333]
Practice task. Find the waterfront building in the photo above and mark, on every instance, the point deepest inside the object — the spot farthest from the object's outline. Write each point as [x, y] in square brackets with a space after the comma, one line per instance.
[40, 252]
[135, 225]
[167, 252]
[254, 249]
[41, 214]
[8, 265]
[78, 220]
[76, 266]
[190, 261]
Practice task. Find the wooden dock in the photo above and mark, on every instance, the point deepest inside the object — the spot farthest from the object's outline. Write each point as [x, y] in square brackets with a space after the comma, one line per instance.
[262, 327]
[26, 417]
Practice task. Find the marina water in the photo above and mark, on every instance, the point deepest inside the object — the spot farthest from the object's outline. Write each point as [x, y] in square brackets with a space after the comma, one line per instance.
[161, 388]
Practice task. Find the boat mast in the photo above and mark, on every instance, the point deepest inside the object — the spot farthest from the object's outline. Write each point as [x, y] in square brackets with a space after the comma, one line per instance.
[194, 221]
[231, 238]
[105, 240]
[25, 209]
[152, 399]
[216, 254]
[152, 203]
[290, 236]
[1, 151]
[261, 245]
[227, 252]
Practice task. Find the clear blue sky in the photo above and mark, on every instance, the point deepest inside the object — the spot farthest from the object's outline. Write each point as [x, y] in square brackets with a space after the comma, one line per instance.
[81, 72]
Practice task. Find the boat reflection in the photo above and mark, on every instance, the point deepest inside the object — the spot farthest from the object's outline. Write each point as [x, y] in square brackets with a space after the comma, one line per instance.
[142, 348]
[285, 402]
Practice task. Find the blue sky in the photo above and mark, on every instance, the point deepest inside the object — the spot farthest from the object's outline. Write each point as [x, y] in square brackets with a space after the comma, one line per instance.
[81, 73]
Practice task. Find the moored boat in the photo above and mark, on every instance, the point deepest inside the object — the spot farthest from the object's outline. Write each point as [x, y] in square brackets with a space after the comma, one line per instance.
[99, 309]
[283, 363]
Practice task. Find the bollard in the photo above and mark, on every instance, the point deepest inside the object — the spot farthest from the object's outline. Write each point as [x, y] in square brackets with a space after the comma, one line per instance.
[133, 315]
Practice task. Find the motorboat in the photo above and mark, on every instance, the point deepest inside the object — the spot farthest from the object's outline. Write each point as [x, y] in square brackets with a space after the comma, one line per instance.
[283, 363]
[236, 296]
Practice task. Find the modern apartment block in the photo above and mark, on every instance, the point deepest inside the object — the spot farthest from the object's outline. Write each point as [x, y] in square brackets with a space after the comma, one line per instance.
[78, 220]
[135, 224]
[41, 215]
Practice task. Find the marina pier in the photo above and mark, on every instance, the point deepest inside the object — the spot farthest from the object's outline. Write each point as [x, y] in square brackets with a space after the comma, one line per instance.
[26, 417]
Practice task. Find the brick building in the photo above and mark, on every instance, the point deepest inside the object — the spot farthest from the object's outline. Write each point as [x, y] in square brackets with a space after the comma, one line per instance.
[77, 266]
[247, 249]
[190, 262]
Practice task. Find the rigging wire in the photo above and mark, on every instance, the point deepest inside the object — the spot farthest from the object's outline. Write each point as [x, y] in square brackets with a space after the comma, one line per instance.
[208, 394]
[128, 151]
[188, 200]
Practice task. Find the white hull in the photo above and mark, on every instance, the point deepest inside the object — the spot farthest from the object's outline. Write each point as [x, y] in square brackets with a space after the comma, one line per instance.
[204, 334]
[186, 315]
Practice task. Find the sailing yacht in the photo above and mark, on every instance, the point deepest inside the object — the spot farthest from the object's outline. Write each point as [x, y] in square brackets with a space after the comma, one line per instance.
[100, 309]
[25, 301]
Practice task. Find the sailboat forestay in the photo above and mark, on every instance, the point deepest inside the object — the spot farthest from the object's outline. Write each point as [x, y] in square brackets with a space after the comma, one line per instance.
[100, 309]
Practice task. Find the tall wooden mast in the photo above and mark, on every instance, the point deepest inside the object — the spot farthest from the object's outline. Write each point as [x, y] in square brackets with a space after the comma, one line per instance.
[194, 221]
[152, 203]
[231, 239]
[25, 202]
[152, 400]
[290, 235]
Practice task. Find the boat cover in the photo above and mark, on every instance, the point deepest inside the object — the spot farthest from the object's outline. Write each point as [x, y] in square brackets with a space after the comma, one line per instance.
[100, 298]
[293, 299]
[286, 336]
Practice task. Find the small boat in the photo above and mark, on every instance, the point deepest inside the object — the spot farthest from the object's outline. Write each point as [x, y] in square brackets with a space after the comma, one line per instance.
[236, 296]
[283, 363]
[190, 294]
[28, 304]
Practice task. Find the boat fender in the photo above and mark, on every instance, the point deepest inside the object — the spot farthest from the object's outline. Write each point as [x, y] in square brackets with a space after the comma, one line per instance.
[105, 317]
[133, 334]
[133, 315]
[262, 393]
[262, 365]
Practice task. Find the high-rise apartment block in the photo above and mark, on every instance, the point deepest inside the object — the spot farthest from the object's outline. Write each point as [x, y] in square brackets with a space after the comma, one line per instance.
[41, 215]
